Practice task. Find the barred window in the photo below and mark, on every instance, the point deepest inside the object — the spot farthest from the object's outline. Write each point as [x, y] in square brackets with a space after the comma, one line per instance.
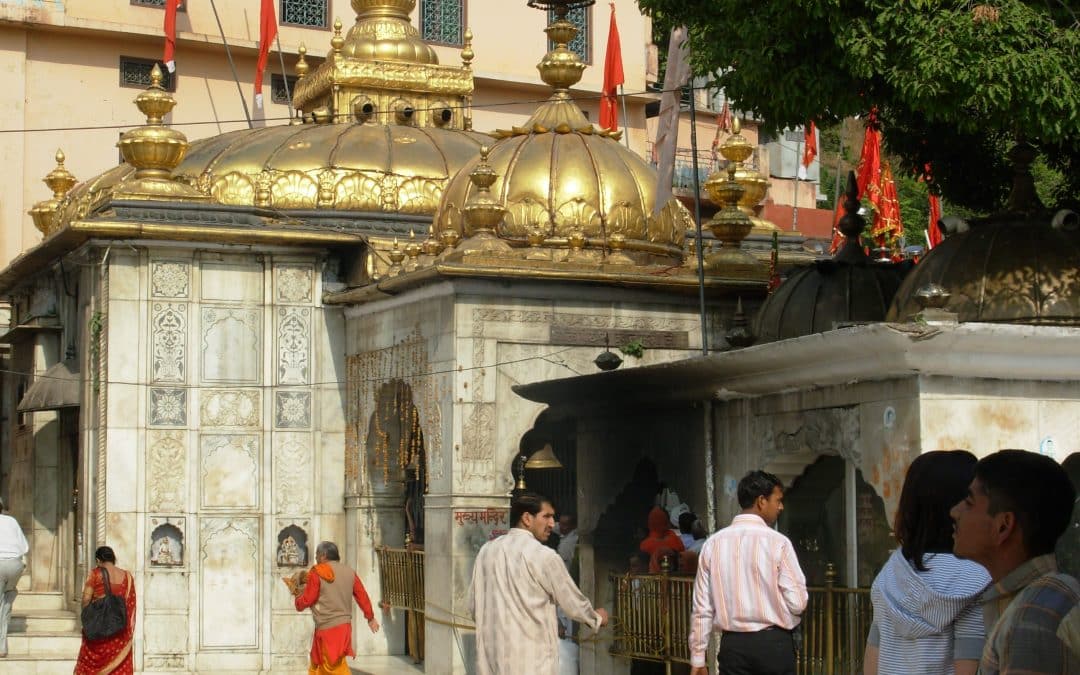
[149, 3]
[279, 93]
[311, 13]
[135, 72]
[443, 21]
[581, 44]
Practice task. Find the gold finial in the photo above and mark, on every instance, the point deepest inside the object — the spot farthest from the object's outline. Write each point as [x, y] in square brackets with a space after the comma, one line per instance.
[337, 42]
[155, 102]
[60, 181]
[561, 68]
[431, 245]
[302, 66]
[730, 225]
[467, 53]
[412, 250]
[482, 212]
[396, 256]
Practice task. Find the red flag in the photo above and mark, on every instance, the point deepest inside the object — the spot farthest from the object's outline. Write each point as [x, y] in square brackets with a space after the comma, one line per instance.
[723, 123]
[933, 230]
[169, 59]
[267, 33]
[613, 77]
[809, 144]
[887, 226]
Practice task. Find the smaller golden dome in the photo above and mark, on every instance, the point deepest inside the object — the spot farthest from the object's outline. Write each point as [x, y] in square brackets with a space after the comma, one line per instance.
[382, 32]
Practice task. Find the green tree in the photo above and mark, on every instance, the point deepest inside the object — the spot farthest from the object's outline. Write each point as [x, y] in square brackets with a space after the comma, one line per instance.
[956, 82]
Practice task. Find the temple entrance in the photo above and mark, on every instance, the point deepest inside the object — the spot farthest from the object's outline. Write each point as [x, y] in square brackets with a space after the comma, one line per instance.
[833, 516]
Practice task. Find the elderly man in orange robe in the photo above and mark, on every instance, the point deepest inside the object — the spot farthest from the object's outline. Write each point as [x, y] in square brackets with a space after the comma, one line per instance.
[329, 589]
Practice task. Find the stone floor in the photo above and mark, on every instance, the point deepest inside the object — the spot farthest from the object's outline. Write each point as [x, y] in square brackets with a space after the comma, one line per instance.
[383, 665]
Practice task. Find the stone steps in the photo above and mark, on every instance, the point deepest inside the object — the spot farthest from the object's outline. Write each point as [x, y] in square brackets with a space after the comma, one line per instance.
[43, 636]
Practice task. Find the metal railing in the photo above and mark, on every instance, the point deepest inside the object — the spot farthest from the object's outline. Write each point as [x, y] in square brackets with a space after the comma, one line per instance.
[653, 623]
[401, 578]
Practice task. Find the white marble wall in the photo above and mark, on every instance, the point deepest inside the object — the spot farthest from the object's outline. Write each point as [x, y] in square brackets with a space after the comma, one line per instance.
[224, 399]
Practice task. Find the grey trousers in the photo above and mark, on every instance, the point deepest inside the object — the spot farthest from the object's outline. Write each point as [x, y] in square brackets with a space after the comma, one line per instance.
[10, 571]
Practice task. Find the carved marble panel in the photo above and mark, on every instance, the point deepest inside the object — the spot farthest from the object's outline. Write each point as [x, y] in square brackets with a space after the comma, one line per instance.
[166, 471]
[292, 409]
[294, 345]
[170, 279]
[231, 344]
[231, 281]
[229, 465]
[154, 662]
[292, 473]
[168, 338]
[478, 451]
[231, 408]
[230, 581]
[293, 283]
[167, 542]
[168, 407]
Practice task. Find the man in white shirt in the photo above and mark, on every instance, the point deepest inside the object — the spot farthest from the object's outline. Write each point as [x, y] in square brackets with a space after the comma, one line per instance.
[569, 534]
[516, 584]
[13, 547]
[749, 587]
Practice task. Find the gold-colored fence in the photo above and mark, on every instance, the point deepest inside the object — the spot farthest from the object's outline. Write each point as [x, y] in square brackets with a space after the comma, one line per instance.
[653, 623]
[401, 578]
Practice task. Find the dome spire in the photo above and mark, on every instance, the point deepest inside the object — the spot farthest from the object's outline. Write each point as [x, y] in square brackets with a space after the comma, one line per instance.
[730, 225]
[60, 181]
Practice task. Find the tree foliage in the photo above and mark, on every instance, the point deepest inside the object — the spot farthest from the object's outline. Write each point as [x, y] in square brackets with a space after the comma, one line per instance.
[955, 82]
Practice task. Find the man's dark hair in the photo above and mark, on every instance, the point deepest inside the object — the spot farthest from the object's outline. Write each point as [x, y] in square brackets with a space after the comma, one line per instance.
[526, 502]
[105, 554]
[686, 522]
[757, 484]
[1035, 489]
[934, 483]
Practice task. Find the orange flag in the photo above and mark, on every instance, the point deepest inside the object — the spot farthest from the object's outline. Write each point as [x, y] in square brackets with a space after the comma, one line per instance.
[887, 227]
[267, 33]
[933, 229]
[613, 77]
[809, 144]
[169, 59]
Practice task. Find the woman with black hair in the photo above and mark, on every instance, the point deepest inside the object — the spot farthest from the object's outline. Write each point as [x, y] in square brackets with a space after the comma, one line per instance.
[111, 655]
[926, 616]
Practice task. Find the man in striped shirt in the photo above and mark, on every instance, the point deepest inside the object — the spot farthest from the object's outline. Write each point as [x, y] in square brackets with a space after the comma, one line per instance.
[749, 587]
[1017, 506]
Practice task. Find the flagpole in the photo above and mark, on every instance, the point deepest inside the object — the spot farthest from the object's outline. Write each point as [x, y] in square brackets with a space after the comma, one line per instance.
[836, 184]
[626, 118]
[232, 64]
[795, 201]
[697, 221]
[284, 77]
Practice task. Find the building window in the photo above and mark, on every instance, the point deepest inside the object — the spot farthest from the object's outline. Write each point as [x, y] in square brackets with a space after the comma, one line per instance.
[581, 44]
[310, 13]
[149, 3]
[279, 93]
[443, 21]
[135, 72]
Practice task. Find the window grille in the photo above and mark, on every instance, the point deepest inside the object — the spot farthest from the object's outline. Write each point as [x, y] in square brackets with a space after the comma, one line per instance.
[311, 13]
[149, 3]
[278, 92]
[443, 21]
[135, 72]
[581, 44]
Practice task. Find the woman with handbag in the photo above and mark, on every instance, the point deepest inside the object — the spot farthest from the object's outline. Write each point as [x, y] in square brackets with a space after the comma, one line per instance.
[108, 630]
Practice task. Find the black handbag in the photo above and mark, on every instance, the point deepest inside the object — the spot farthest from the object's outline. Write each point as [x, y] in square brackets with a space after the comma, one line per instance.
[104, 617]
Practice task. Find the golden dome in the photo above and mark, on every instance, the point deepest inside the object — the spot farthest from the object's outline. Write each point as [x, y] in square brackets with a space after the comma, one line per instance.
[382, 32]
[357, 167]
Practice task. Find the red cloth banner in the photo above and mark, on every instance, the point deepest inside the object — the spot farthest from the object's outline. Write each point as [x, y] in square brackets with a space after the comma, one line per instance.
[267, 33]
[613, 77]
[809, 144]
[169, 59]
[933, 229]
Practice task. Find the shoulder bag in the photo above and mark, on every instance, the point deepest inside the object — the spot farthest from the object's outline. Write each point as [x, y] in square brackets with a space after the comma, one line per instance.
[104, 617]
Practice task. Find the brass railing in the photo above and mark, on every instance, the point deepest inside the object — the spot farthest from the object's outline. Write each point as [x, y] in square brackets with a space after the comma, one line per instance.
[401, 578]
[653, 623]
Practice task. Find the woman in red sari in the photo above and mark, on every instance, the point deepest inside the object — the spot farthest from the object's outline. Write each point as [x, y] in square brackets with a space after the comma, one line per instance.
[111, 656]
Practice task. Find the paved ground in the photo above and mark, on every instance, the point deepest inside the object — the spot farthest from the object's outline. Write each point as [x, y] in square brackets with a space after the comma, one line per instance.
[383, 665]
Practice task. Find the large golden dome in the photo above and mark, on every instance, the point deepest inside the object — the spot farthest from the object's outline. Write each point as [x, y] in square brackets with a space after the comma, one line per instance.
[352, 167]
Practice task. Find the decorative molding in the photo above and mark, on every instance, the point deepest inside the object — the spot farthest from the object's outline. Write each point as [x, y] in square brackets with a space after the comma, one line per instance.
[168, 329]
[292, 409]
[230, 408]
[166, 469]
[170, 279]
[294, 345]
[478, 434]
[293, 283]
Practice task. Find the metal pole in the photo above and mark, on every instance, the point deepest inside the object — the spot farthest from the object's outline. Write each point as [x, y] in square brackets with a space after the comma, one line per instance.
[836, 182]
[625, 116]
[795, 201]
[232, 64]
[284, 77]
[697, 222]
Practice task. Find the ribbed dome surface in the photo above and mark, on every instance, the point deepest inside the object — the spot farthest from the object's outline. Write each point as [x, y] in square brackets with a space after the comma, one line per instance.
[1005, 272]
[816, 298]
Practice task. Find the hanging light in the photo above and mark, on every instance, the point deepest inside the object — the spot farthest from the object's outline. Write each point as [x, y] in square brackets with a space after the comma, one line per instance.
[544, 458]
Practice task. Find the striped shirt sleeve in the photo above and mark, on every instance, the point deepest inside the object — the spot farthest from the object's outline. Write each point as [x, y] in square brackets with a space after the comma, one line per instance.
[701, 620]
[969, 633]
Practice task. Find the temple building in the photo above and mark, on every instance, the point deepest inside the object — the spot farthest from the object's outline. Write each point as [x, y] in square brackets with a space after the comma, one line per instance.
[249, 343]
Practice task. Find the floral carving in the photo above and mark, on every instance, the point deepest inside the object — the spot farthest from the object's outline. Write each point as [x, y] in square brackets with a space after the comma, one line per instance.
[292, 409]
[168, 407]
[230, 408]
[233, 188]
[294, 190]
[166, 460]
[292, 474]
[358, 192]
[524, 215]
[169, 341]
[419, 196]
[388, 189]
[169, 279]
[577, 214]
[294, 336]
[627, 220]
[294, 283]
[477, 451]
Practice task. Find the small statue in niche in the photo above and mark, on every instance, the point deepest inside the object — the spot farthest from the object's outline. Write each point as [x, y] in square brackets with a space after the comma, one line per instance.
[290, 554]
[164, 553]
